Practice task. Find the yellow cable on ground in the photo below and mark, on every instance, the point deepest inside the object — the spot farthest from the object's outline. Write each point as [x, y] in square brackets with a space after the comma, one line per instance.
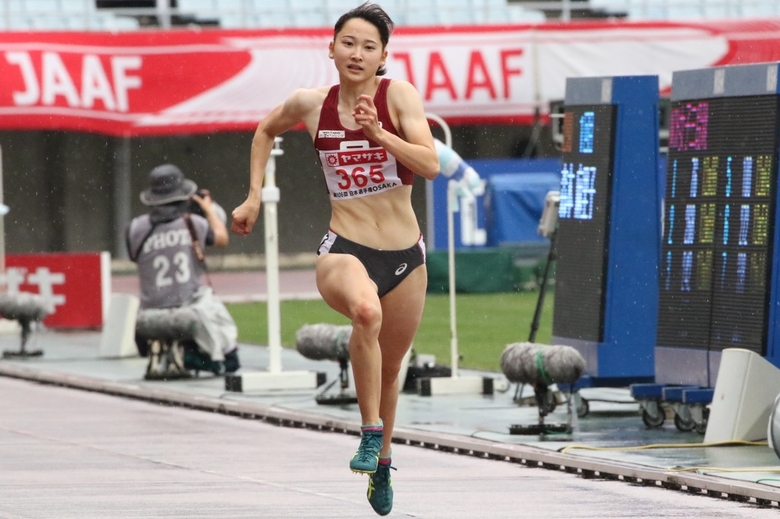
[687, 445]
[666, 446]
[721, 469]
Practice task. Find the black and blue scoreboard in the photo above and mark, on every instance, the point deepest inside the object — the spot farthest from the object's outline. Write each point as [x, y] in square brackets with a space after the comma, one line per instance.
[609, 227]
[719, 283]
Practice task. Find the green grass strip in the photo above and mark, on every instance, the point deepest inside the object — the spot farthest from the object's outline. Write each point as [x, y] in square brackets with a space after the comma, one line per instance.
[486, 323]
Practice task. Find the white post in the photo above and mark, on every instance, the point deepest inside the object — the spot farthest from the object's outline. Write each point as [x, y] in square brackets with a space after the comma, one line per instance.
[164, 13]
[452, 206]
[274, 378]
[6, 325]
[566, 11]
[452, 384]
[3, 211]
[270, 197]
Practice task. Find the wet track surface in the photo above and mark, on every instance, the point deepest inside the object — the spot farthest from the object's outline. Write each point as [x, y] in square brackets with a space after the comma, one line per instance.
[114, 449]
[68, 453]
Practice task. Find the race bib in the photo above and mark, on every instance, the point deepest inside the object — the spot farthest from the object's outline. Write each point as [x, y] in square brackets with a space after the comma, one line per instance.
[356, 170]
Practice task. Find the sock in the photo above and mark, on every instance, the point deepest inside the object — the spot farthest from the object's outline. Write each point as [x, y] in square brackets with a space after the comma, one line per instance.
[372, 426]
[384, 460]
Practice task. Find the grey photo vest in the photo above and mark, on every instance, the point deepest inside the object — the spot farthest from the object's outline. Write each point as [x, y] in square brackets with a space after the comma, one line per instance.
[168, 269]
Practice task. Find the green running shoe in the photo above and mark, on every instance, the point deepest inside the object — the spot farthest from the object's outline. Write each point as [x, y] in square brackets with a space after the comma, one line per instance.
[380, 489]
[366, 458]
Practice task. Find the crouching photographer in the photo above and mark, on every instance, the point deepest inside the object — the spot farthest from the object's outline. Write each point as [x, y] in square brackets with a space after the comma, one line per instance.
[168, 244]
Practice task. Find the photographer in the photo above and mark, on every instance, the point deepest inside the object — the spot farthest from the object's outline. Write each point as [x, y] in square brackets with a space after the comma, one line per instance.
[168, 244]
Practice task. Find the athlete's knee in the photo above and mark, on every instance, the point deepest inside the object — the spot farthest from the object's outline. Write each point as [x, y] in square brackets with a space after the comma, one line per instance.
[367, 314]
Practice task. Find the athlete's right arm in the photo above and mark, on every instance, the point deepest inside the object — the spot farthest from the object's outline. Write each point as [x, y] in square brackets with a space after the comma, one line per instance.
[282, 118]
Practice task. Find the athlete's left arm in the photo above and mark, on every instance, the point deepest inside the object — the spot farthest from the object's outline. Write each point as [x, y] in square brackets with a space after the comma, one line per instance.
[416, 150]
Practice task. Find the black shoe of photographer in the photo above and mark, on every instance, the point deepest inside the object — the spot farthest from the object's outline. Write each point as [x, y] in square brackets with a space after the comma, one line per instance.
[231, 361]
[196, 360]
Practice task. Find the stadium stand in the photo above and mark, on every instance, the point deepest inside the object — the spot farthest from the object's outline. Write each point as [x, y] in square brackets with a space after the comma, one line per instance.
[690, 9]
[129, 15]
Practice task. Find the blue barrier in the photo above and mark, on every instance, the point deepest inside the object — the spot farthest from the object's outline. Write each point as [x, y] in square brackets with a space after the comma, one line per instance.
[511, 207]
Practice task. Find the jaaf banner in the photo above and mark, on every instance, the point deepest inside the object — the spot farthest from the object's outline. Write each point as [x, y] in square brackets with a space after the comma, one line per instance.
[193, 81]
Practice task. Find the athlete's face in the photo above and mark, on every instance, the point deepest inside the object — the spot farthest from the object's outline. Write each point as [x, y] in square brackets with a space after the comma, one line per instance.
[357, 50]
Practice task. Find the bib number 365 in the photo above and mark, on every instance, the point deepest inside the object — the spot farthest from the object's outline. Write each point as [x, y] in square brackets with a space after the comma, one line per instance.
[359, 177]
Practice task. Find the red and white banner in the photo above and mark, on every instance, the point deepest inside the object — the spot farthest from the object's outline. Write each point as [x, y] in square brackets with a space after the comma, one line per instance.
[185, 81]
[76, 285]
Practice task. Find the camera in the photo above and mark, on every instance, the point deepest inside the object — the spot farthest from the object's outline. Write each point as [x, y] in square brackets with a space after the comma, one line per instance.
[194, 208]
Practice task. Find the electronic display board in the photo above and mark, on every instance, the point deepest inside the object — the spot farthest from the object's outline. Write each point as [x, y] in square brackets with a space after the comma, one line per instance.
[607, 243]
[717, 247]
[582, 240]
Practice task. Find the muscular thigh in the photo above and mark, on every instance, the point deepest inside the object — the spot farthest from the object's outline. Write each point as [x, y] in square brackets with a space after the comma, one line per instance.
[343, 282]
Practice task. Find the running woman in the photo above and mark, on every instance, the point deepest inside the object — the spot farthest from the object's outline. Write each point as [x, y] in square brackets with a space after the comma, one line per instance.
[372, 137]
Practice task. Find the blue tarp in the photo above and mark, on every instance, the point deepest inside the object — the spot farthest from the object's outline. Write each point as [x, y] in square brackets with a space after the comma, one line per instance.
[518, 188]
[514, 203]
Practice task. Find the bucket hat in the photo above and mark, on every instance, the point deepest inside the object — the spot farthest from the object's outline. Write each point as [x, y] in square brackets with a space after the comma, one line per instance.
[167, 184]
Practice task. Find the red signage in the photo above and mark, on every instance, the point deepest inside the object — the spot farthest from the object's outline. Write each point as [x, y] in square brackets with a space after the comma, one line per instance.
[76, 285]
[188, 81]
